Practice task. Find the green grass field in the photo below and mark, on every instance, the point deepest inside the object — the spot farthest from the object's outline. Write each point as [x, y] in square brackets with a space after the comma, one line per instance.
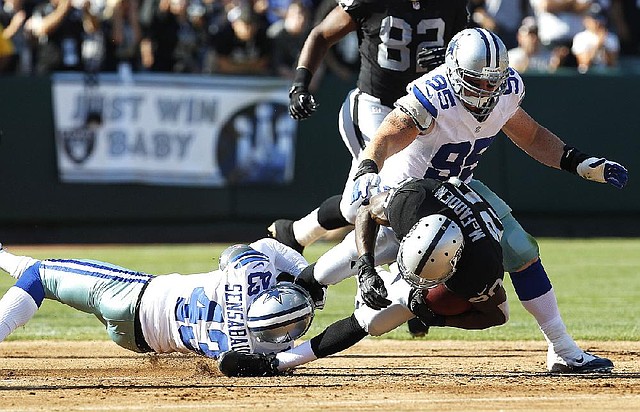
[597, 282]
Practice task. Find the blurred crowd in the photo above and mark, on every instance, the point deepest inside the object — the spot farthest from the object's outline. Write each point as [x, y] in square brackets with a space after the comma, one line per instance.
[264, 37]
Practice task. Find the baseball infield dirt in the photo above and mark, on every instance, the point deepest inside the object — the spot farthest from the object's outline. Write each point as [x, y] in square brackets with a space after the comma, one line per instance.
[376, 374]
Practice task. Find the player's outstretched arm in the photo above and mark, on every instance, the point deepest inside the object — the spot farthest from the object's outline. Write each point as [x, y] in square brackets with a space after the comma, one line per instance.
[337, 337]
[547, 148]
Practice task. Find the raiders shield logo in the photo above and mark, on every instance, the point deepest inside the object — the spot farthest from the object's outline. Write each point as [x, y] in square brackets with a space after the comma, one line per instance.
[78, 143]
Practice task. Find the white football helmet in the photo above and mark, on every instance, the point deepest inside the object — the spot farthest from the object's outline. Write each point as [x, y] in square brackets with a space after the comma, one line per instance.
[280, 314]
[429, 253]
[232, 253]
[477, 66]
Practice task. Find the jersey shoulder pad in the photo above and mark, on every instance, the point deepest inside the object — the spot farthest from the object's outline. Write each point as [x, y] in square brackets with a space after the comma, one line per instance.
[420, 102]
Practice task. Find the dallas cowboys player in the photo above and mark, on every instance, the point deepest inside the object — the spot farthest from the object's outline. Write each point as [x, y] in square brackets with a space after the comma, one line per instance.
[441, 128]
[449, 235]
[398, 41]
[203, 313]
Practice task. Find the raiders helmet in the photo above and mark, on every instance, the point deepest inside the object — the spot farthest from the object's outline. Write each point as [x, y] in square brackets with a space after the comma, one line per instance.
[477, 66]
[231, 253]
[280, 314]
[429, 253]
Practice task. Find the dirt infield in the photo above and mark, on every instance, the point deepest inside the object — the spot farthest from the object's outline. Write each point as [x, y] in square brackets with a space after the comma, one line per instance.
[374, 375]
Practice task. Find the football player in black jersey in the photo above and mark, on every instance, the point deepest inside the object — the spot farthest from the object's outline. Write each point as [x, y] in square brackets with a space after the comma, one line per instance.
[449, 235]
[398, 41]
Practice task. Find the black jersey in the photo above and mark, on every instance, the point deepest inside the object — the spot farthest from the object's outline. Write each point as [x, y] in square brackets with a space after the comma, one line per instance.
[390, 34]
[480, 265]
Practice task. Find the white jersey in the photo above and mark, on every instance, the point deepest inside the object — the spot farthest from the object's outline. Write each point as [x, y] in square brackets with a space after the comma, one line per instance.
[206, 313]
[454, 146]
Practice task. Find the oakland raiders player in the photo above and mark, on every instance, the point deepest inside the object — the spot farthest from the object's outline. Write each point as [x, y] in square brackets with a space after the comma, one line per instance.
[203, 313]
[448, 234]
[398, 41]
[441, 127]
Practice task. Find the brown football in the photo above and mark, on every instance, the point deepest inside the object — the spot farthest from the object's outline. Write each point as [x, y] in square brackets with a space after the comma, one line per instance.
[444, 302]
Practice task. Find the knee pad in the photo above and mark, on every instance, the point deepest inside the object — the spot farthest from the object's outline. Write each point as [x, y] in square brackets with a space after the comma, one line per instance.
[518, 247]
[329, 214]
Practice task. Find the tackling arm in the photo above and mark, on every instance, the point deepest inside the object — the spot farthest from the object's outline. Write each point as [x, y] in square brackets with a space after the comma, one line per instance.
[537, 141]
[547, 148]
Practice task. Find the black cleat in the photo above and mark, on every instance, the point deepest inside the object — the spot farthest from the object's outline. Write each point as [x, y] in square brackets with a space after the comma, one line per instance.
[236, 364]
[587, 363]
[417, 329]
[282, 231]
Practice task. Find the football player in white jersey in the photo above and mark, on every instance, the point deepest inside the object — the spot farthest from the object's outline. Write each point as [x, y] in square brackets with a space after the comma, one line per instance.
[205, 313]
[439, 129]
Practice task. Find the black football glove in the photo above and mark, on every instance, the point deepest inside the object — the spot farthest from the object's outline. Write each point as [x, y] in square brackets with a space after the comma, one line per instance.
[418, 307]
[301, 101]
[372, 289]
[431, 58]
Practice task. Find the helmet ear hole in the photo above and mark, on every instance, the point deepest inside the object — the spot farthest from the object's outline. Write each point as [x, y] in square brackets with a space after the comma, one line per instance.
[280, 314]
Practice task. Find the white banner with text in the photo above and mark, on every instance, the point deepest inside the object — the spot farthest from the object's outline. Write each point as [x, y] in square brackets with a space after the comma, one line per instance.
[173, 130]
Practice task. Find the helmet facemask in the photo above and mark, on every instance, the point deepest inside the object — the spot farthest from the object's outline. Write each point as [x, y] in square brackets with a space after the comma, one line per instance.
[477, 67]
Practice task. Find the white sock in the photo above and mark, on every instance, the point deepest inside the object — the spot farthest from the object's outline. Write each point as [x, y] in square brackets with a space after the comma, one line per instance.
[16, 308]
[15, 265]
[545, 309]
[307, 230]
[299, 355]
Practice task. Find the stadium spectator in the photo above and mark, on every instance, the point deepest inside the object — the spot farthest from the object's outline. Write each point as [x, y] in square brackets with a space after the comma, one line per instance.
[241, 45]
[60, 26]
[123, 33]
[625, 16]
[287, 36]
[596, 46]
[558, 22]
[16, 49]
[175, 40]
[530, 55]
[502, 17]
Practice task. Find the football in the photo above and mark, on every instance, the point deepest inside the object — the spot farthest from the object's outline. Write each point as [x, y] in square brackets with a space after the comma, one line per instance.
[444, 302]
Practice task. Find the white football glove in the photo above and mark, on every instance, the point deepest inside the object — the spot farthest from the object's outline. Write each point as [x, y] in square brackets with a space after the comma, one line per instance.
[603, 171]
[364, 187]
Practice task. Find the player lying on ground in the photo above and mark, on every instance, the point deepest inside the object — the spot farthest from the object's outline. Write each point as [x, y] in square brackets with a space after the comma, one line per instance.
[449, 238]
[239, 307]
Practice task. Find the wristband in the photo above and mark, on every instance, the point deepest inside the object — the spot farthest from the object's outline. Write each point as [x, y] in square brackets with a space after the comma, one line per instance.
[366, 166]
[302, 77]
[571, 158]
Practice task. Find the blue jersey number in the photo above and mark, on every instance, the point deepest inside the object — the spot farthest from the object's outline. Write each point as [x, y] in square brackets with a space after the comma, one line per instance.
[258, 281]
[457, 159]
[195, 311]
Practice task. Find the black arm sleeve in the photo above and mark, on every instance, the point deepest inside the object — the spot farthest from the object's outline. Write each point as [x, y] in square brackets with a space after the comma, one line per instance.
[337, 337]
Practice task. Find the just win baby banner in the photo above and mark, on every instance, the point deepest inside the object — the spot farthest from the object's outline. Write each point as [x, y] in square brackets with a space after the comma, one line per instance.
[173, 130]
